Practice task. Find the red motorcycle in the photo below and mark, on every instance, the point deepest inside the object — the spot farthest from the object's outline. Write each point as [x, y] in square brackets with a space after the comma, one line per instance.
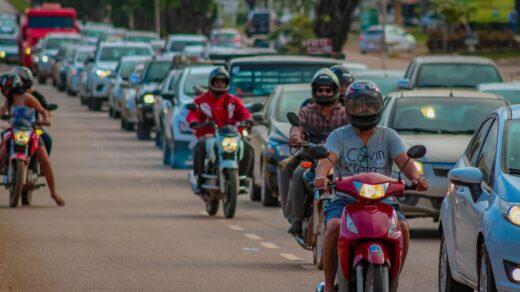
[370, 241]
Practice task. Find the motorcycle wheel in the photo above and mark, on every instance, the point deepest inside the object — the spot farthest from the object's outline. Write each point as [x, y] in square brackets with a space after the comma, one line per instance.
[17, 181]
[343, 284]
[26, 198]
[318, 249]
[377, 279]
[231, 192]
[212, 207]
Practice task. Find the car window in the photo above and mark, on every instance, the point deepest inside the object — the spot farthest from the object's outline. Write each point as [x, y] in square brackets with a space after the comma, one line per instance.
[409, 71]
[456, 75]
[290, 101]
[512, 155]
[57, 43]
[512, 95]
[115, 53]
[157, 71]
[173, 82]
[178, 45]
[8, 42]
[82, 56]
[476, 142]
[486, 159]
[195, 80]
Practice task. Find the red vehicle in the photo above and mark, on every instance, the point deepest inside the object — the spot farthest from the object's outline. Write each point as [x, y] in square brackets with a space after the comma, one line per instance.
[38, 22]
[370, 241]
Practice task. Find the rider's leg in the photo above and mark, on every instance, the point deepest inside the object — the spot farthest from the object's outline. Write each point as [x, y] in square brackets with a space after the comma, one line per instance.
[47, 141]
[296, 198]
[45, 164]
[199, 155]
[330, 253]
[283, 177]
[246, 165]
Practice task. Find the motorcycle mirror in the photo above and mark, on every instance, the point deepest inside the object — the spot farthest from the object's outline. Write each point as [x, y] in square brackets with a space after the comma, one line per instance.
[191, 106]
[52, 107]
[294, 119]
[416, 151]
[319, 152]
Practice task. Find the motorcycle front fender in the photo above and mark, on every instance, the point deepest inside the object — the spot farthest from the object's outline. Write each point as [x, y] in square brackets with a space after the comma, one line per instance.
[18, 156]
[372, 252]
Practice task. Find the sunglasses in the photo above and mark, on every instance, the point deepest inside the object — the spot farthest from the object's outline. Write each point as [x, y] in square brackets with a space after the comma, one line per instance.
[324, 90]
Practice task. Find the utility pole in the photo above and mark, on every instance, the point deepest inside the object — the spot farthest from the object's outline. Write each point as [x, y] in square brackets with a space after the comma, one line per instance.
[157, 17]
[383, 45]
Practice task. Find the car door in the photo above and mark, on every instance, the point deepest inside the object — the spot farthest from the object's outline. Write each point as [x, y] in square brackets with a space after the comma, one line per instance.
[259, 135]
[468, 205]
[470, 155]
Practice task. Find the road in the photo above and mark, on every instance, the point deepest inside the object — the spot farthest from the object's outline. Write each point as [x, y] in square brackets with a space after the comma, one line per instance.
[132, 224]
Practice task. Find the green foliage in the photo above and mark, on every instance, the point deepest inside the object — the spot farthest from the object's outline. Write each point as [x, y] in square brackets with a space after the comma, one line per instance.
[299, 29]
[19, 5]
[453, 11]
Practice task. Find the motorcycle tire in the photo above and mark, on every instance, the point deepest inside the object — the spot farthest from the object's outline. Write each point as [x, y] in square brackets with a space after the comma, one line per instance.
[212, 207]
[17, 182]
[26, 198]
[231, 192]
[377, 279]
[317, 252]
[342, 283]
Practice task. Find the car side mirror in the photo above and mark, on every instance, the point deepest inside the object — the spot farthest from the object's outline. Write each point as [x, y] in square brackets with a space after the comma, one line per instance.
[259, 118]
[318, 152]
[168, 95]
[470, 177]
[191, 106]
[404, 84]
[294, 119]
[416, 151]
[52, 107]
[90, 60]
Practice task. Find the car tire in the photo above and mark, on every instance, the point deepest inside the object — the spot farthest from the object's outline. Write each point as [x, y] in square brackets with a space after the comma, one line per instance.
[143, 132]
[266, 194]
[158, 139]
[167, 153]
[255, 191]
[95, 104]
[110, 112]
[486, 279]
[117, 114]
[446, 281]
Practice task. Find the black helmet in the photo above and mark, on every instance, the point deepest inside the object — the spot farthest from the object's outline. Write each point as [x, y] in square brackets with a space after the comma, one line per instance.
[364, 104]
[12, 84]
[218, 73]
[325, 77]
[25, 74]
[343, 74]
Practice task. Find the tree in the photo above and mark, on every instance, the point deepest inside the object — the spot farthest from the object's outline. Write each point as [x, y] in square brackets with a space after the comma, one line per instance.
[453, 13]
[334, 19]
[297, 30]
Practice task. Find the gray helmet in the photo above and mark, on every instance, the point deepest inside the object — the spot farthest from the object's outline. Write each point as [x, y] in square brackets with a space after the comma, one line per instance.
[364, 104]
[325, 77]
[218, 73]
[343, 74]
[26, 76]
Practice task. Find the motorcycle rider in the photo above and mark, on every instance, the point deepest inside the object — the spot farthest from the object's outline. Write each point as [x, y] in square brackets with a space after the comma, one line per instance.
[13, 90]
[28, 81]
[345, 79]
[324, 114]
[360, 147]
[222, 108]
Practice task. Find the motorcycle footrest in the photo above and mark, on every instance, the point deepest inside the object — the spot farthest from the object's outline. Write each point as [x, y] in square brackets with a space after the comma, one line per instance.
[210, 187]
[209, 176]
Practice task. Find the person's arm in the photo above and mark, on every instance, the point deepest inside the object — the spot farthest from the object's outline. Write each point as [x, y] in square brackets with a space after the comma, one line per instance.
[32, 102]
[241, 112]
[323, 170]
[296, 133]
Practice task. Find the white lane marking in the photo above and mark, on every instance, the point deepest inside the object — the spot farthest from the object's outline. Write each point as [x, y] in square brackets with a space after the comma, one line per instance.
[252, 236]
[269, 245]
[235, 227]
[291, 257]
[250, 249]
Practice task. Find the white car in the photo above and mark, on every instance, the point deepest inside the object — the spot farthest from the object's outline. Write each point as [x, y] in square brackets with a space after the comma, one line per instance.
[176, 43]
[396, 39]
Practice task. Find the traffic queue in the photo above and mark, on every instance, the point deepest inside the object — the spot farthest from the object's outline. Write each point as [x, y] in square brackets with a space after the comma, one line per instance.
[348, 153]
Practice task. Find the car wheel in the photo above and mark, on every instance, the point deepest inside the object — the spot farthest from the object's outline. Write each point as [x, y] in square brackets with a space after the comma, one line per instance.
[486, 279]
[266, 194]
[446, 281]
[143, 132]
[167, 153]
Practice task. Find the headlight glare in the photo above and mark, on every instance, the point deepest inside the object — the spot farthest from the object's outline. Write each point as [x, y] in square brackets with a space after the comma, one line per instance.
[103, 73]
[230, 144]
[372, 191]
[45, 59]
[148, 98]
[22, 137]
[419, 166]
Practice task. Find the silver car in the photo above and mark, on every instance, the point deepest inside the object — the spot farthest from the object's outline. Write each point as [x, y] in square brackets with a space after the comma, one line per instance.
[444, 121]
[101, 67]
[8, 49]
[74, 69]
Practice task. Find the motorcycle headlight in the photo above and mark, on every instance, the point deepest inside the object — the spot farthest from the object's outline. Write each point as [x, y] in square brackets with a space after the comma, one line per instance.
[102, 73]
[22, 137]
[230, 144]
[350, 225]
[372, 191]
[149, 98]
[419, 166]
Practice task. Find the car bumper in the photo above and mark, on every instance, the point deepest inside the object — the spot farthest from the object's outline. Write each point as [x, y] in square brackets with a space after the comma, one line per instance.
[100, 87]
[45, 69]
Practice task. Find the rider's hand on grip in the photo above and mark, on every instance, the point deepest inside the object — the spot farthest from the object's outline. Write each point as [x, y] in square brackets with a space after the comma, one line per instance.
[294, 140]
[320, 182]
[194, 125]
[420, 183]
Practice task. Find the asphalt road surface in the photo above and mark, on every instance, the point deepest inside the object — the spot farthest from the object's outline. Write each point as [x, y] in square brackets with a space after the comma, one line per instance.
[132, 224]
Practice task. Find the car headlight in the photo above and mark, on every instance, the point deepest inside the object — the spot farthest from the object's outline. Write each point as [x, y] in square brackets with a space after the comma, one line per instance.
[511, 212]
[21, 137]
[350, 225]
[2, 54]
[419, 166]
[283, 150]
[36, 59]
[149, 98]
[103, 73]
[27, 51]
[45, 59]
[372, 192]
[230, 144]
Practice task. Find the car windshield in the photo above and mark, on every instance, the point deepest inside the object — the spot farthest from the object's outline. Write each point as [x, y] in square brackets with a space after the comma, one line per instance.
[456, 75]
[8, 42]
[386, 84]
[157, 71]
[141, 38]
[178, 46]
[441, 115]
[249, 80]
[290, 101]
[195, 80]
[115, 53]
[69, 54]
[513, 96]
[57, 43]
[173, 82]
[94, 33]
[513, 147]
[83, 56]
[128, 67]
[51, 21]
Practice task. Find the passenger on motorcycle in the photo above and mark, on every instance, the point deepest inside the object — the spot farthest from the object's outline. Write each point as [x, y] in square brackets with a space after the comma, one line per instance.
[13, 90]
[345, 79]
[324, 114]
[222, 108]
[28, 81]
[361, 147]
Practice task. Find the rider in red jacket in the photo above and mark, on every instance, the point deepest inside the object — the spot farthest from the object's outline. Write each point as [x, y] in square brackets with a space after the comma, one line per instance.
[223, 109]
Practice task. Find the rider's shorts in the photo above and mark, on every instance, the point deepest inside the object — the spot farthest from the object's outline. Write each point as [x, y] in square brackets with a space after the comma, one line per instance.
[334, 208]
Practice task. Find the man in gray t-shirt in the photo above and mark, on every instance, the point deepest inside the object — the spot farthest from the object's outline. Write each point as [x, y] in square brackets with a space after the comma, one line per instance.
[360, 147]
